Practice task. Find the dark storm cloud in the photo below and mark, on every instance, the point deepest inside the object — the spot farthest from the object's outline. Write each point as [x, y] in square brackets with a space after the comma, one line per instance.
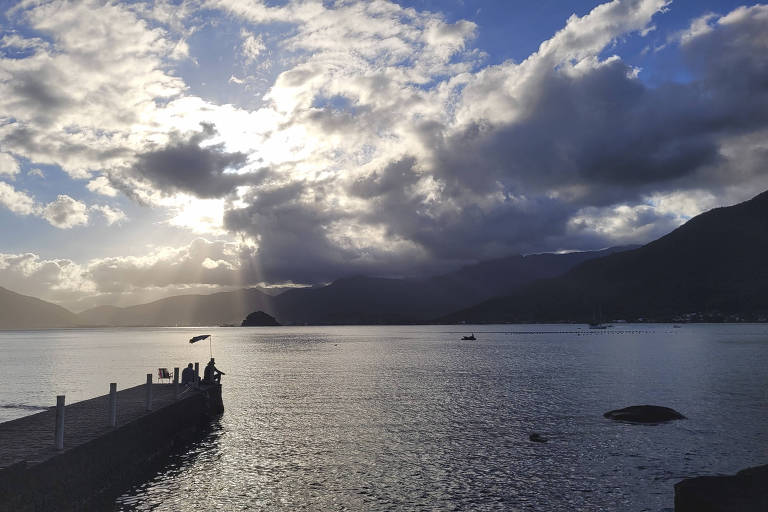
[293, 241]
[732, 51]
[184, 165]
[297, 242]
[575, 171]
[392, 180]
[475, 231]
[604, 132]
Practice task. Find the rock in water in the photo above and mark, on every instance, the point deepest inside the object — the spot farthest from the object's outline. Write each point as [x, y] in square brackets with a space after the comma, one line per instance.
[644, 414]
[259, 319]
[744, 491]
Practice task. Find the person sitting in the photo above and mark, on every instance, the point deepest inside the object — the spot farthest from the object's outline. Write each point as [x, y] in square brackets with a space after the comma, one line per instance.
[212, 375]
[188, 375]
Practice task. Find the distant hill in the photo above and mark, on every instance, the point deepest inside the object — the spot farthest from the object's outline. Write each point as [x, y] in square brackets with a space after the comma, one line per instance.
[372, 300]
[713, 267]
[194, 310]
[356, 300]
[23, 312]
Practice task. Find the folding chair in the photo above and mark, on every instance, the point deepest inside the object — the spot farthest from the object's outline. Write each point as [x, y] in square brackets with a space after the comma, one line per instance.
[163, 373]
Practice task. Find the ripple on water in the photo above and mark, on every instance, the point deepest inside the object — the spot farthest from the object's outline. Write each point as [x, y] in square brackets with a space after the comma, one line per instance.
[382, 418]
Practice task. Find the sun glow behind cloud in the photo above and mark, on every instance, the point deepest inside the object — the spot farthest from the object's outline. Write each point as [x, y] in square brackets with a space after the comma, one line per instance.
[200, 216]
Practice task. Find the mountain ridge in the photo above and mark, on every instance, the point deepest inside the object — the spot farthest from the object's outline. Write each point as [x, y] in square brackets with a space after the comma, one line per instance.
[351, 300]
[19, 311]
[711, 267]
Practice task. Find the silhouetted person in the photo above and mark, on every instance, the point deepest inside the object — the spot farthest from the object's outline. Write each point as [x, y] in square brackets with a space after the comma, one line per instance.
[188, 375]
[211, 373]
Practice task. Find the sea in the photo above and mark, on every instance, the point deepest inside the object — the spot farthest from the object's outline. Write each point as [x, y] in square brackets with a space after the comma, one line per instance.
[415, 418]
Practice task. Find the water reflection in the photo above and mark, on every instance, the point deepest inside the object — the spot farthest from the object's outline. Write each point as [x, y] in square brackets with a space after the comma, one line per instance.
[167, 486]
[381, 418]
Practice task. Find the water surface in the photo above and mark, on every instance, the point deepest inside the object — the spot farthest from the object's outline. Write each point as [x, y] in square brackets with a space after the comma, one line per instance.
[382, 418]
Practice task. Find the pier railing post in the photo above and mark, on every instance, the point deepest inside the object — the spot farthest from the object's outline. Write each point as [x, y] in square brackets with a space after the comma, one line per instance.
[148, 397]
[176, 383]
[197, 374]
[113, 404]
[59, 422]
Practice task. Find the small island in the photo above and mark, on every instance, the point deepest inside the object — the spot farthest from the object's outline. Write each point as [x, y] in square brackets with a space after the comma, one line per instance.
[259, 319]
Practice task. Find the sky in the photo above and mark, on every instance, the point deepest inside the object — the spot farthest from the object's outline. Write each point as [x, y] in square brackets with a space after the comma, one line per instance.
[150, 149]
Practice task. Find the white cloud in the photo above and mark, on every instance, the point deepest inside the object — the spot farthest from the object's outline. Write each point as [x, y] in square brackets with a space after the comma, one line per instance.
[8, 165]
[90, 95]
[58, 280]
[201, 267]
[65, 212]
[101, 185]
[18, 202]
[700, 26]
[624, 224]
[252, 46]
[202, 262]
[506, 93]
[111, 215]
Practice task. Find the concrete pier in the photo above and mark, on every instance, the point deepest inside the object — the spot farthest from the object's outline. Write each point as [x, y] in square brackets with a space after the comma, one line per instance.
[88, 463]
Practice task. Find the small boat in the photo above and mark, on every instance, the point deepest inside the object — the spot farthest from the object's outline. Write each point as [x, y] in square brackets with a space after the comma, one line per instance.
[470, 337]
[597, 322]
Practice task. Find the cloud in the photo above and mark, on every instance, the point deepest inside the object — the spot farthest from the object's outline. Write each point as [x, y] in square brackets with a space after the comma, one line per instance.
[166, 266]
[624, 224]
[18, 202]
[565, 150]
[202, 266]
[111, 215]
[58, 280]
[100, 185]
[8, 165]
[185, 165]
[72, 98]
[252, 45]
[302, 240]
[384, 145]
[65, 212]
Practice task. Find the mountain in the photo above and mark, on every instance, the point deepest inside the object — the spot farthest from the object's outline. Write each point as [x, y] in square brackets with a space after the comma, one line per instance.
[355, 300]
[372, 300]
[361, 300]
[194, 310]
[712, 267]
[501, 276]
[22, 312]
